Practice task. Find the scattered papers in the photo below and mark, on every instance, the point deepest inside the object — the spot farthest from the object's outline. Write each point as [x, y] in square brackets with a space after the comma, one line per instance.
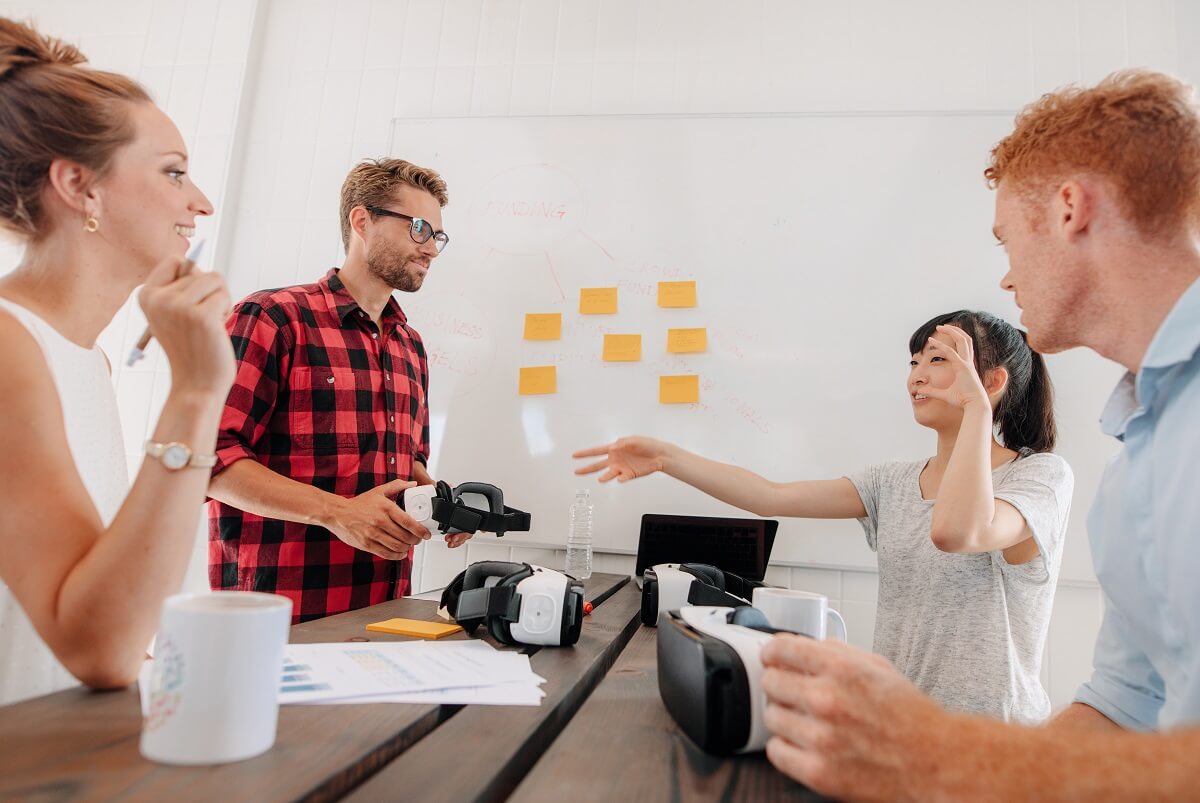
[452, 672]
[348, 671]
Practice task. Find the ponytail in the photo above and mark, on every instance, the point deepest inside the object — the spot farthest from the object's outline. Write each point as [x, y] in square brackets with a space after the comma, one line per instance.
[1026, 420]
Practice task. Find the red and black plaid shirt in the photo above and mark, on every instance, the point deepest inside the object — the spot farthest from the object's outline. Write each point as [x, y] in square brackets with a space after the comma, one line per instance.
[324, 397]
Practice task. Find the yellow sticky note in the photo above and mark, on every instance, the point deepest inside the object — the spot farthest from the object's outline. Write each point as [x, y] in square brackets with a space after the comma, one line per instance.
[538, 380]
[683, 389]
[414, 627]
[622, 348]
[687, 341]
[598, 301]
[676, 294]
[543, 326]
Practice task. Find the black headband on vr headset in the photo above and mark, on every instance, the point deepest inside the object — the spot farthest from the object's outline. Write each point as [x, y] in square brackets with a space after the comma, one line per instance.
[520, 603]
[718, 587]
[467, 508]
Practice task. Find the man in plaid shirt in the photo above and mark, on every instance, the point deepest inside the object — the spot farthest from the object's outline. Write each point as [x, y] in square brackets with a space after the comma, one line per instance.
[327, 421]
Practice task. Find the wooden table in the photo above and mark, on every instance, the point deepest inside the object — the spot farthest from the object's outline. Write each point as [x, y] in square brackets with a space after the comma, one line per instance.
[78, 744]
[623, 745]
[598, 735]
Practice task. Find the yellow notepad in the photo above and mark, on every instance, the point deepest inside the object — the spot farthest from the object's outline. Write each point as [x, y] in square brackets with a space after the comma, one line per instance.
[598, 301]
[622, 348]
[538, 379]
[677, 294]
[414, 627]
[543, 326]
[679, 389]
[687, 341]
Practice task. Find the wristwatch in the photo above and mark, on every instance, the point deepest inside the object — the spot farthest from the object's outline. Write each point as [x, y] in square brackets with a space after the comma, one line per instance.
[176, 455]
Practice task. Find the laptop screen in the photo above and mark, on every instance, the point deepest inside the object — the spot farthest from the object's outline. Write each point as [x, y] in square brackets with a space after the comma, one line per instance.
[741, 546]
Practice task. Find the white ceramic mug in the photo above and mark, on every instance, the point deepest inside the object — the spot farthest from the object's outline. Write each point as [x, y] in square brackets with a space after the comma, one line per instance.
[214, 686]
[800, 611]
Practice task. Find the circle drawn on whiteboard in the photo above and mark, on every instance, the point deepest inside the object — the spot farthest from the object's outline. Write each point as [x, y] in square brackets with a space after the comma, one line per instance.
[527, 209]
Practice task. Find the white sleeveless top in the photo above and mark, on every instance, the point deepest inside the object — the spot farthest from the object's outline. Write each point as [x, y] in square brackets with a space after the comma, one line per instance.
[89, 405]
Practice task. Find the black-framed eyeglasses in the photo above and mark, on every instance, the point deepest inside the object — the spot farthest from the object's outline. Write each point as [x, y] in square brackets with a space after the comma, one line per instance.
[419, 228]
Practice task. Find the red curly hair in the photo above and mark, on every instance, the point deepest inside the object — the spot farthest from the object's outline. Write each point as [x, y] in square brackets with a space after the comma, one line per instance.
[1138, 129]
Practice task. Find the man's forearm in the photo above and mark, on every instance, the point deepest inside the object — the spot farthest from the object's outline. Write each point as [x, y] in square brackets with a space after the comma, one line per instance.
[256, 489]
[1083, 717]
[1006, 762]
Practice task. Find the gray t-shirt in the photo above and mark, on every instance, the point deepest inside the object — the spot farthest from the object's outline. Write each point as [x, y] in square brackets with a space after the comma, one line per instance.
[967, 629]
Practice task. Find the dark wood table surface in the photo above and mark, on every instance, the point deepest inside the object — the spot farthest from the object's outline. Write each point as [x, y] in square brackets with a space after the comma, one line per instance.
[82, 745]
[623, 745]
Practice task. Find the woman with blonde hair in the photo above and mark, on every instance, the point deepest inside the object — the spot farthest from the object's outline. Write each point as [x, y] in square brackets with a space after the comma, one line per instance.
[93, 179]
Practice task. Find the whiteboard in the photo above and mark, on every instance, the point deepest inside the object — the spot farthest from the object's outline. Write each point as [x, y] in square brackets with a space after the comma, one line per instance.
[818, 244]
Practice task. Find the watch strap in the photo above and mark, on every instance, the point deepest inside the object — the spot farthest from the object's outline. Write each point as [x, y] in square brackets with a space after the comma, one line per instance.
[156, 450]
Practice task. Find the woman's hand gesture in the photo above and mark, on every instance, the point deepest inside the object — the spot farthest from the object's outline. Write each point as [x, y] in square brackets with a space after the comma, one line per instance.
[625, 459]
[187, 315]
[968, 391]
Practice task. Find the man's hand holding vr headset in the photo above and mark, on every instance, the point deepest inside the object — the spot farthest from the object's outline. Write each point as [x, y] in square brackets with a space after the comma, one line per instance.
[374, 523]
[712, 654]
[391, 519]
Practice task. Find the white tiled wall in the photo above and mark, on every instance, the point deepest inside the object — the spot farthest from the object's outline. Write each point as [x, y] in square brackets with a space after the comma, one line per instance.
[277, 98]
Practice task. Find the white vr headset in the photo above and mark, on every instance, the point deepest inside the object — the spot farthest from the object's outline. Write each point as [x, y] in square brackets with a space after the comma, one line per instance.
[710, 675]
[670, 586]
[465, 508]
[520, 603]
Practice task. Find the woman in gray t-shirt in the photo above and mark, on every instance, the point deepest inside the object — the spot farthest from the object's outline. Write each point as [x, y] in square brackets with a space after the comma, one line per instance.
[969, 540]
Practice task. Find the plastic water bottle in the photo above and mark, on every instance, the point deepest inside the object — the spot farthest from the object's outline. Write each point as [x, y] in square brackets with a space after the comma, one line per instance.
[579, 538]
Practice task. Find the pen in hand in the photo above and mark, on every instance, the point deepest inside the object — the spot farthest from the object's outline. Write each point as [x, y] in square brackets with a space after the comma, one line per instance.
[189, 262]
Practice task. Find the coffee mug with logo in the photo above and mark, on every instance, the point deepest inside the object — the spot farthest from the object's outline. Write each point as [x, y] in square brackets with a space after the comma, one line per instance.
[214, 686]
[799, 611]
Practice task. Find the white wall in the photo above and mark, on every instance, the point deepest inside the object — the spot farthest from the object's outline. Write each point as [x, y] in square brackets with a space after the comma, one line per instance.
[290, 93]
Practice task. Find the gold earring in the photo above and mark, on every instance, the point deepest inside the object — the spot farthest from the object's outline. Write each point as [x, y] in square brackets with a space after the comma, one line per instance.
[91, 225]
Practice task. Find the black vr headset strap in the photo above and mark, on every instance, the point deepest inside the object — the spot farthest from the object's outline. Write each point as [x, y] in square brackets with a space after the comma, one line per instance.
[451, 514]
[572, 620]
[499, 518]
[484, 600]
[449, 601]
[487, 604]
[704, 594]
[740, 586]
[717, 587]
[709, 575]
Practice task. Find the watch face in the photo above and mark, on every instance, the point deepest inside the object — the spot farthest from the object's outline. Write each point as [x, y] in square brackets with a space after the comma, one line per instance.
[175, 456]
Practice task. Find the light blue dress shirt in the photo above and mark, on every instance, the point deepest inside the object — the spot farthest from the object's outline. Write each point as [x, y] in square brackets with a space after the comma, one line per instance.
[1144, 529]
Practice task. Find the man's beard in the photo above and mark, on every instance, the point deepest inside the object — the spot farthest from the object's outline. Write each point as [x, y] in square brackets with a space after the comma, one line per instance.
[388, 265]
